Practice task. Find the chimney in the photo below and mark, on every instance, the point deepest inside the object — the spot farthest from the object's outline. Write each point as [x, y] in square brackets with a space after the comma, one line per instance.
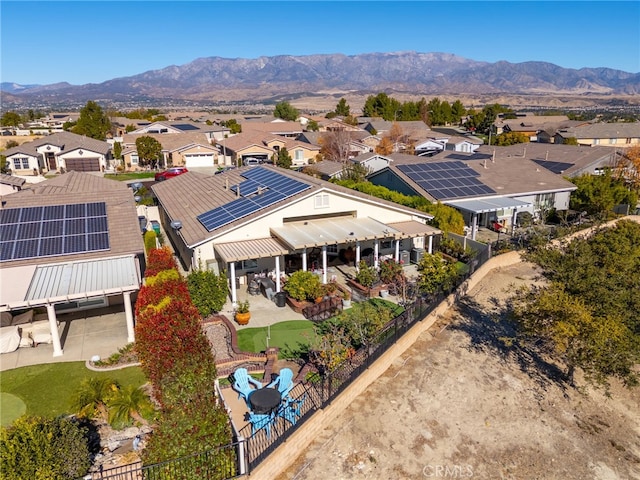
[238, 191]
[524, 152]
[546, 156]
[493, 157]
[485, 163]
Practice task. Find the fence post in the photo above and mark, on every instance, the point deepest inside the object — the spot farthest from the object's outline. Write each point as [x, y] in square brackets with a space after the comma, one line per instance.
[243, 454]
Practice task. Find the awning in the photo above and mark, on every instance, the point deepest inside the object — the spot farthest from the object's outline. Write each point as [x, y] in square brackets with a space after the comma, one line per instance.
[413, 229]
[250, 249]
[483, 205]
[40, 285]
[316, 233]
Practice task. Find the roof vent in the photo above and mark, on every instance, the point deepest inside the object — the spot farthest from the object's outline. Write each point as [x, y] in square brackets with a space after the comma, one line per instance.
[176, 224]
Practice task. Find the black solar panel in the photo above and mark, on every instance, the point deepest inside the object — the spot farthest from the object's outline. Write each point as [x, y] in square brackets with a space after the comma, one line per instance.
[469, 156]
[185, 126]
[32, 232]
[555, 167]
[274, 188]
[445, 180]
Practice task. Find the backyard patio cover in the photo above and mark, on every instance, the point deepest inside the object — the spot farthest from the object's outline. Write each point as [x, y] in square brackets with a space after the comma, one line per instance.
[483, 205]
[39, 285]
[316, 233]
[249, 249]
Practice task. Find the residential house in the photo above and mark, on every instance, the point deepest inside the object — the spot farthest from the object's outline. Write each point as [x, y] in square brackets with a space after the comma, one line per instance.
[486, 187]
[192, 149]
[617, 135]
[64, 151]
[70, 243]
[261, 219]
[260, 147]
[10, 184]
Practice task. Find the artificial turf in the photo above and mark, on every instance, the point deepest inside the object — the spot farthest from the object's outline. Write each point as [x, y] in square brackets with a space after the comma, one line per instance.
[47, 390]
[285, 335]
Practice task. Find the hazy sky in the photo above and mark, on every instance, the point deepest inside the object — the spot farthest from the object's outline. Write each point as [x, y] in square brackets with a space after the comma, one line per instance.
[93, 41]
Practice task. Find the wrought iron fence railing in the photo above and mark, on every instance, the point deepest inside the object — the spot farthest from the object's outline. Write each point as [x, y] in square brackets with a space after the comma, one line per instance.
[315, 392]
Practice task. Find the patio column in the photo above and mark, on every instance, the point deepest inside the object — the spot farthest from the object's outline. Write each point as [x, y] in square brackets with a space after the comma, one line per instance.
[474, 226]
[324, 264]
[234, 293]
[278, 273]
[430, 248]
[304, 259]
[128, 313]
[53, 325]
[376, 251]
[513, 220]
[357, 255]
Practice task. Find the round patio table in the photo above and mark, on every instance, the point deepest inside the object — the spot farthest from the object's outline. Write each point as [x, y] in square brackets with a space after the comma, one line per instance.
[264, 400]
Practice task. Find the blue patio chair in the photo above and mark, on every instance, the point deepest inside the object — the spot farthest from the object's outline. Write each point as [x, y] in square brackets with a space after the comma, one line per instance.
[242, 382]
[283, 382]
[290, 411]
[259, 421]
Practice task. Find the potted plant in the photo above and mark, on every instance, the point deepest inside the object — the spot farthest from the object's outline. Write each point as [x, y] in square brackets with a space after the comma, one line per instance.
[242, 313]
[346, 299]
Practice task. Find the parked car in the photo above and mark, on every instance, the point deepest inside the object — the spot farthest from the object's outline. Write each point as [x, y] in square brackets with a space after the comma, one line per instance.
[252, 161]
[169, 173]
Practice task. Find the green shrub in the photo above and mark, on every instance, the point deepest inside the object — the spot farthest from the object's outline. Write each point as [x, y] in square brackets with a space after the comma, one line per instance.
[302, 285]
[149, 240]
[366, 275]
[208, 291]
[44, 449]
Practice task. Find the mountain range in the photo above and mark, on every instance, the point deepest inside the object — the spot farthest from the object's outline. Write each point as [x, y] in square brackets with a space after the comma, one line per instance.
[269, 79]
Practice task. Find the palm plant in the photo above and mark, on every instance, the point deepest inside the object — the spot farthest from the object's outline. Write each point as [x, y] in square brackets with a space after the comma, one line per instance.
[129, 403]
[90, 400]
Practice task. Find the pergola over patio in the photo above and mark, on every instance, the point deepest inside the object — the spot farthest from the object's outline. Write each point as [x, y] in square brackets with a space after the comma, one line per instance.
[476, 206]
[301, 235]
[61, 283]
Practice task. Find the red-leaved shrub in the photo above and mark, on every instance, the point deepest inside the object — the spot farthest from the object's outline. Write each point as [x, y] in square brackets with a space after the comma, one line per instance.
[159, 259]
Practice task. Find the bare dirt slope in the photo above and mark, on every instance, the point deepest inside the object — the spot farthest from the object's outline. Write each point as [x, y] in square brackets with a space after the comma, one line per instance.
[463, 404]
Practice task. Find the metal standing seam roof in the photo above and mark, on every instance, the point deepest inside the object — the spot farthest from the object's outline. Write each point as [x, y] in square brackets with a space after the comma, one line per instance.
[482, 205]
[75, 280]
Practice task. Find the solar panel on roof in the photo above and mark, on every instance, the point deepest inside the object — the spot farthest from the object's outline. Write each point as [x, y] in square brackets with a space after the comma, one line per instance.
[442, 180]
[278, 187]
[185, 127]
[555, 167]
[32, 232]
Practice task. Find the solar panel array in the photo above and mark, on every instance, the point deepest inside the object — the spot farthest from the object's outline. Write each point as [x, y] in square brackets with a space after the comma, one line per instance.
[274, 187]
[33, 232]
[445, 180]
[470, 156]
[555, 167]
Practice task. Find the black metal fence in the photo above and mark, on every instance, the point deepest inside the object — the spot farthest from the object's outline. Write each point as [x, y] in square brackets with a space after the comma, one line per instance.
[315, 392]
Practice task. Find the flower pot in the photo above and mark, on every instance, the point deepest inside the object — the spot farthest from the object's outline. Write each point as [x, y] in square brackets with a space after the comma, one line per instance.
[346, 303]
[243, 318]
[384, 293]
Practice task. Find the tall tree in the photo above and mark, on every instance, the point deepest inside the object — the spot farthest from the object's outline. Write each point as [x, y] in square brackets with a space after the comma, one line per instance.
[10, 119]
[93, 122]
[286, 111]
[284, 159]
[149, 151]
[335, 145]
[342, 108]
[457, 111]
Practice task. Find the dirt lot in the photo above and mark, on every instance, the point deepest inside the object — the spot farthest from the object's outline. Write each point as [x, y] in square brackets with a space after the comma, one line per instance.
[460, 403]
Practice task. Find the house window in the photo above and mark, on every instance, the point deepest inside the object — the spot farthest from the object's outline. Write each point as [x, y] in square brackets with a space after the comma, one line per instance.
[545, 199]
[332, 249]
[613, 141]
[247, 265]
[322, 201]
[628, 140]
[134, 159]
[298, 155]
[21, 163]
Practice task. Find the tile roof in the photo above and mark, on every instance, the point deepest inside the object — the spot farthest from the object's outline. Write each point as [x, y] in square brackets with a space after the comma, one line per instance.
[67, 141]
[169, 141]
[604, 130]
[11, 180]
[78, 187]
[191, 194]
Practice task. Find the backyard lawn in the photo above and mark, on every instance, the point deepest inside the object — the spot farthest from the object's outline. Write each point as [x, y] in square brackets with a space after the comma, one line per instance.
[285, 335]
[46, 390]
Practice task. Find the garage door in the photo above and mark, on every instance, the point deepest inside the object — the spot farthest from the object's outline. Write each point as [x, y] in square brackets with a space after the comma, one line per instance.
[199, 160]
[83, 164]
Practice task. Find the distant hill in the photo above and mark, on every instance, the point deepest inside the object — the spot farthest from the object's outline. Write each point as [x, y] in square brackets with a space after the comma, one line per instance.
[267, 79]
